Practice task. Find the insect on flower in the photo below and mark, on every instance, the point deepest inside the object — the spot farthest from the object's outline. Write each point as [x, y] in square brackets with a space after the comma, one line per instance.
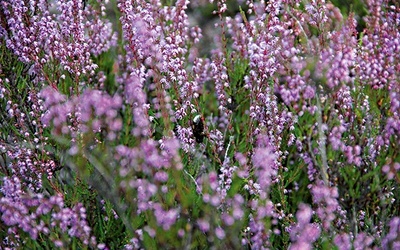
[198, 128]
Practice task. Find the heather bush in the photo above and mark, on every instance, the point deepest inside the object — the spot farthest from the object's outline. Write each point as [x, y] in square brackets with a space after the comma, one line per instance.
[137, 124]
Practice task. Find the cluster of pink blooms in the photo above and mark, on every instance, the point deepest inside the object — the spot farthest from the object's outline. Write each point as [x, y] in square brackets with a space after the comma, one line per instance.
[309, 91]
[35, 214]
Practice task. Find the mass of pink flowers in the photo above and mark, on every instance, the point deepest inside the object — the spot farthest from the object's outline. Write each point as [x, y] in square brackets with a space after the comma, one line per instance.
[157, 124]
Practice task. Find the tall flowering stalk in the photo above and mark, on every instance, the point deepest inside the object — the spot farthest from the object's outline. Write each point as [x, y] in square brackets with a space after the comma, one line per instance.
[59, 39]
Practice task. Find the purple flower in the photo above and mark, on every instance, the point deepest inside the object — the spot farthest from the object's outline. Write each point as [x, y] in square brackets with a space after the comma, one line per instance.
[165, 219]
[303, 233]
[326, 199]
[203, 225]
[392, 238]
[26, 211]
[343, 242]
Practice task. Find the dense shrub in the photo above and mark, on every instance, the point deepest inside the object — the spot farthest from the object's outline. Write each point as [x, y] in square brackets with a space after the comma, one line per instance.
[123, 127]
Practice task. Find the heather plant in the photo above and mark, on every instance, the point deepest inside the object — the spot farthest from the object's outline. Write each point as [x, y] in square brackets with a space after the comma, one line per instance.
[124, 127]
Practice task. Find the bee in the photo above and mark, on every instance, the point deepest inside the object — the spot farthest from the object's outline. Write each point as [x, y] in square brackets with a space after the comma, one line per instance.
[198, 128]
